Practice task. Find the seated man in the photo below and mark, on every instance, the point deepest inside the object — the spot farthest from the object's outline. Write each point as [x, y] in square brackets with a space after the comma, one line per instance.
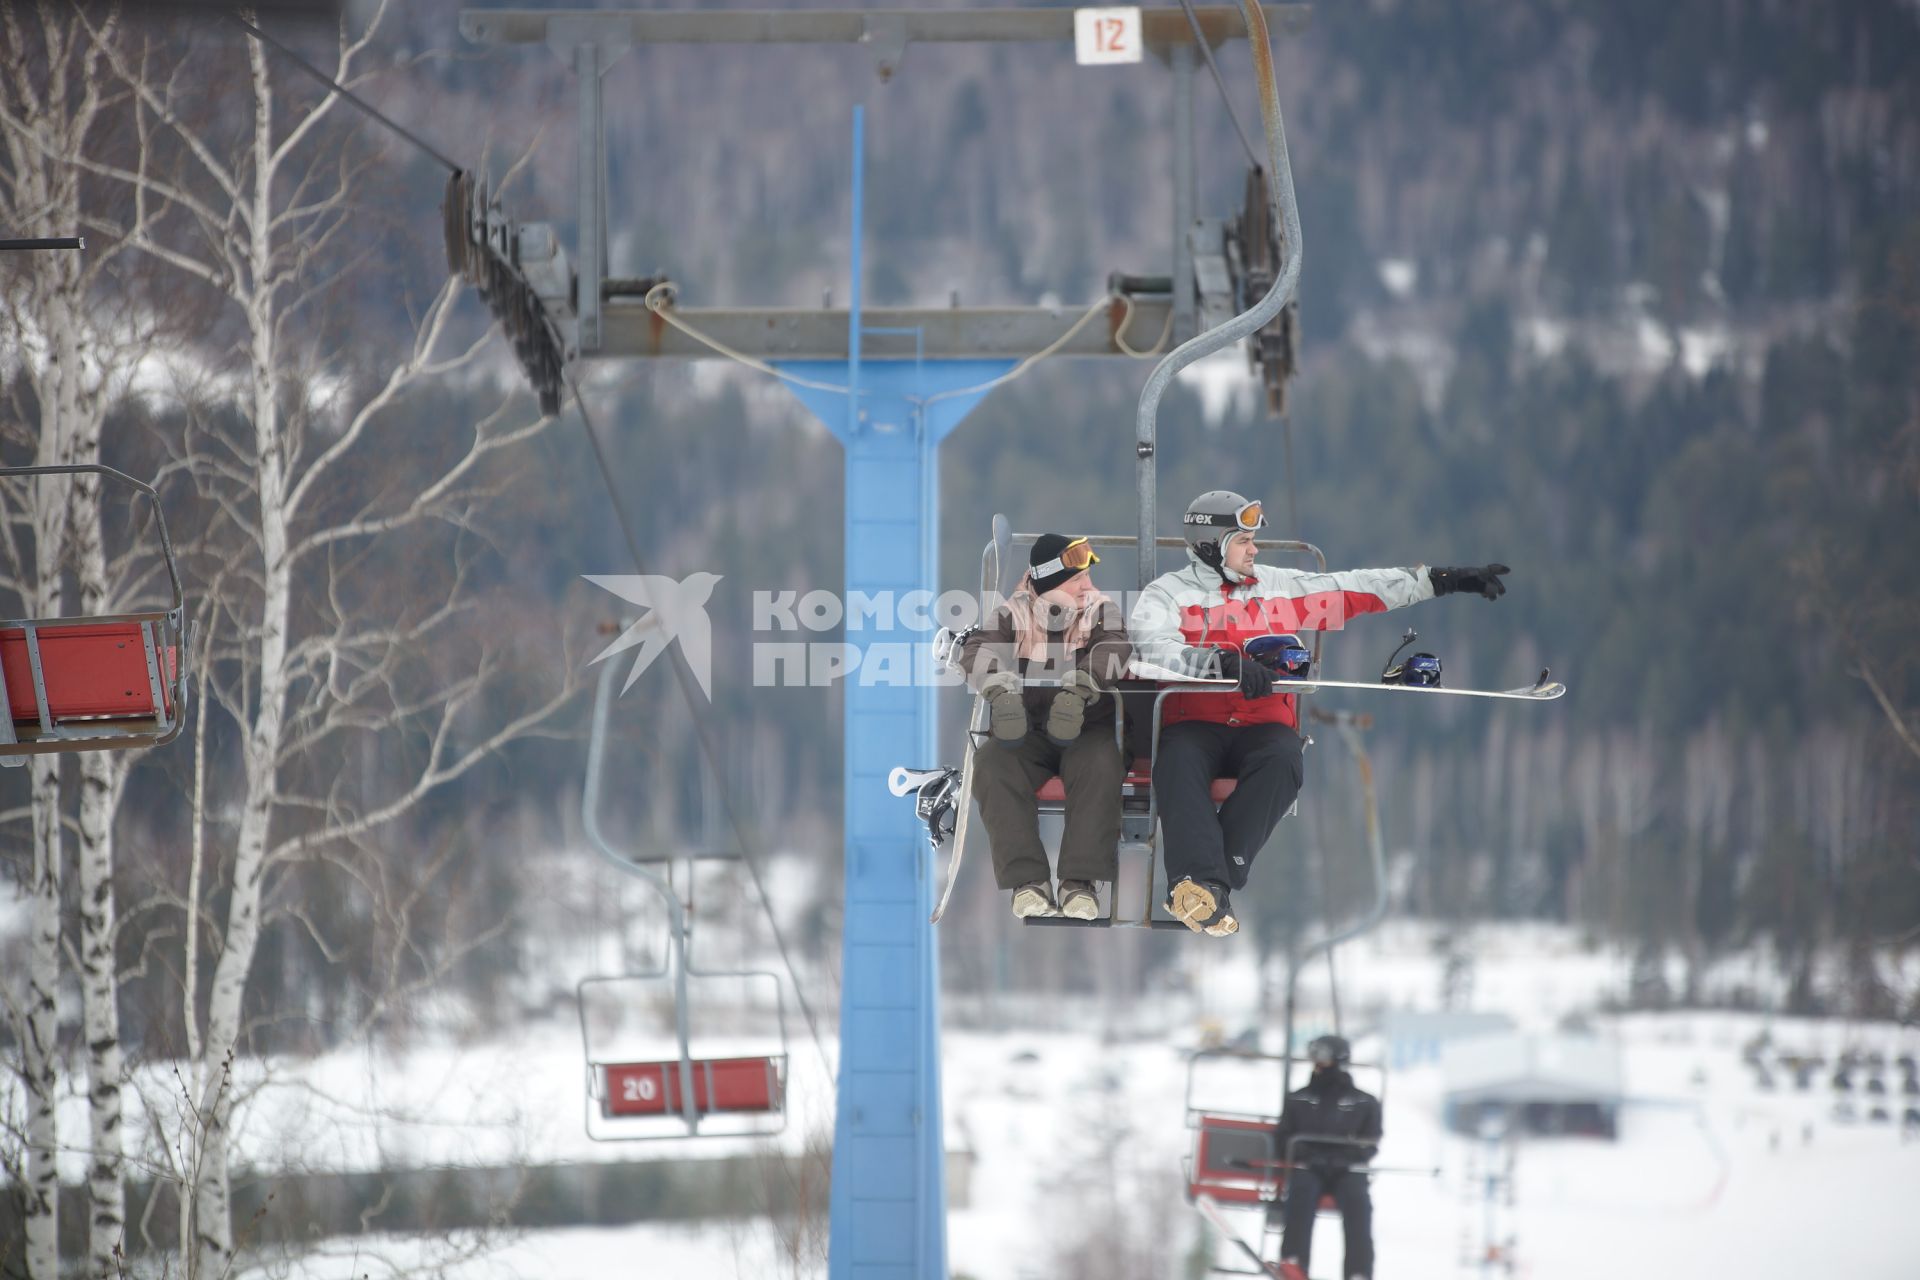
[1329, 1107]
[1195, 622]
[1056, 627]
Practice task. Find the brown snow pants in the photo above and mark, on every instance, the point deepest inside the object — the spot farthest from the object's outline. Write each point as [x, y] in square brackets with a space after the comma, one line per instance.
[1005, 776]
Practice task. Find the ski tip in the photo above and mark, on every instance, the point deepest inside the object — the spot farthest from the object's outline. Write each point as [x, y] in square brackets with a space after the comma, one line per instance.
[1547, 690]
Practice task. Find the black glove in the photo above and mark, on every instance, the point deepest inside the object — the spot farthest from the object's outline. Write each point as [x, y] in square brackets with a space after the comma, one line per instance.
[1255, 680]
[1483, 581]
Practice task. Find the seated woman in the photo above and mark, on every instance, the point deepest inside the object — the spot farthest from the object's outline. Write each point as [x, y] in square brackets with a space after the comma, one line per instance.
[1059, 629]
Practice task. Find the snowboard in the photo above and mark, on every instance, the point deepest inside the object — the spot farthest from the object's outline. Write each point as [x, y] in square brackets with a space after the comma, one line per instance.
[956, 842]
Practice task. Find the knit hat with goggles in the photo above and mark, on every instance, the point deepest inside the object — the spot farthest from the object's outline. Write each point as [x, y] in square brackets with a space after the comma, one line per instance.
[1056, 558]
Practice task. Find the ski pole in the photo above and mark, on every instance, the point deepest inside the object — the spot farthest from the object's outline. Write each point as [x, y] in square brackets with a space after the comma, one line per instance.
[1262, 1166]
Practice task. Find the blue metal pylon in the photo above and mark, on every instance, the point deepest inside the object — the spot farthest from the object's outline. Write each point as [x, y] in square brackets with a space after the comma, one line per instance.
[888, 1207]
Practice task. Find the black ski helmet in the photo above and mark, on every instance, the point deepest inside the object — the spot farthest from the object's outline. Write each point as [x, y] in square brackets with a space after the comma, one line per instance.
[1330, 1051]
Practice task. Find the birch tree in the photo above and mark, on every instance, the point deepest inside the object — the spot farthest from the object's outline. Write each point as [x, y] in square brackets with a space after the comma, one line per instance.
[77, 355]
[354, 696]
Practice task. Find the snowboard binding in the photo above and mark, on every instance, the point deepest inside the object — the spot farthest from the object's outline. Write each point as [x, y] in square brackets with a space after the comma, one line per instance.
[936, 795]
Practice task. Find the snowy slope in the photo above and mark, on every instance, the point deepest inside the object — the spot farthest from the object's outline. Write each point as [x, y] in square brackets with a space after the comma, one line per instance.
[1075, 1139]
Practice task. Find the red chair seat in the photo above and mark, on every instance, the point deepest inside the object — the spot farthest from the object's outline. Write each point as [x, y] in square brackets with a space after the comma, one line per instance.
[91, 672]
[1139, 778]
[719, 1085]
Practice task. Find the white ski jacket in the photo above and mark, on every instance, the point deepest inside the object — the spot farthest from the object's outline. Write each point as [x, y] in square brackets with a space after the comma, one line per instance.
[1183, 616]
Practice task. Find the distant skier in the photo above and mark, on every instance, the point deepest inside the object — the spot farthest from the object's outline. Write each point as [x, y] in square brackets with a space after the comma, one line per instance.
[1329, 1107]
[1057, 626]
[1197, 621]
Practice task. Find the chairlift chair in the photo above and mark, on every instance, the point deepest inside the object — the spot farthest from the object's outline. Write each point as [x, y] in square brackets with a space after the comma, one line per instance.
[1234, 1161]
[696, 1092]
[1139, 811]
[111, 682]
[1234, 1158]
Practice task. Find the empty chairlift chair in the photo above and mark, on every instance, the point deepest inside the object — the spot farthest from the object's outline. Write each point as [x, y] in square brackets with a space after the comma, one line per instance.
[104, 683]
[708, 1082]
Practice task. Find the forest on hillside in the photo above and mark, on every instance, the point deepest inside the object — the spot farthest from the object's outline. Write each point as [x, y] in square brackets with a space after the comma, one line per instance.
[1625, 295]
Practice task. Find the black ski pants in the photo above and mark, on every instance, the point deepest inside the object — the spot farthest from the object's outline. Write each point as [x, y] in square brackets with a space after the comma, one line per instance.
[1005, 776]
[1269, 761]
[1349, 1190]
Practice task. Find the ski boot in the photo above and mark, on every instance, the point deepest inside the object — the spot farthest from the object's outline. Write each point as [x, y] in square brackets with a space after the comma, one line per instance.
[1202, 906]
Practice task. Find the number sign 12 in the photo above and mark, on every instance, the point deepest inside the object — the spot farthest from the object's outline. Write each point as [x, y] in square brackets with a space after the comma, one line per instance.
[1105, 36]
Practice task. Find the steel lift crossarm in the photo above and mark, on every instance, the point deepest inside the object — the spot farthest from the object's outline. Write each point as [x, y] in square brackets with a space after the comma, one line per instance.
[1161, 29]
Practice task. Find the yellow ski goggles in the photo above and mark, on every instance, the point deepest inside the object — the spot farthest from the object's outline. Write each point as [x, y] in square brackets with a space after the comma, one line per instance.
[1074, 557]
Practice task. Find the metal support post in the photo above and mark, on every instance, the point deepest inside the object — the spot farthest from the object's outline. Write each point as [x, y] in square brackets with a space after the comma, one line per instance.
[888, 1199]
[590, 249]
[1185, 185]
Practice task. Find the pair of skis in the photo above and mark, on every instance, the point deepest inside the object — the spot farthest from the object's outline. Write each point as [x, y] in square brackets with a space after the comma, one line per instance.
[1542, 690]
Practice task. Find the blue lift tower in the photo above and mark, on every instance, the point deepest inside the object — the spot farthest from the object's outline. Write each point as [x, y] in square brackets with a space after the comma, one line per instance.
[891, 383]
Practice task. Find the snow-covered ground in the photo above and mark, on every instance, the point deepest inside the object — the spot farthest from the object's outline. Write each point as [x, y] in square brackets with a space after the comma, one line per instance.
[1076, 1146]
[1709, 1176]
[1069, 1137]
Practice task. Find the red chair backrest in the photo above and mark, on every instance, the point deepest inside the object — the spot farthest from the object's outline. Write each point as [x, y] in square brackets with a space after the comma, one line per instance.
[719, 1085]
[1228, 1154]
[92, 671]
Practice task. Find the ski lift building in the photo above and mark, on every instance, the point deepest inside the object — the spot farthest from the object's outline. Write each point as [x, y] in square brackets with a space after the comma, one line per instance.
[1415, 1036]
[1538, 1085]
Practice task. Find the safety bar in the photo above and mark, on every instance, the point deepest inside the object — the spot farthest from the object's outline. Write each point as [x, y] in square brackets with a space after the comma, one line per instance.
[1283, 211]
[1286, 1061]
[1292, 1152]
[174, 609]
[989, 556]
[993, 555]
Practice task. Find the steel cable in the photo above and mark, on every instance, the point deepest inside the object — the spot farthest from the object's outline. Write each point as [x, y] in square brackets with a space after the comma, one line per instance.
[1220, 82]
[709, 749]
